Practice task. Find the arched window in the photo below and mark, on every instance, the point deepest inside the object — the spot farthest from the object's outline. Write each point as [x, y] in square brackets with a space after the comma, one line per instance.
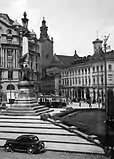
[9, 35]
[10, 87]
[9, 31]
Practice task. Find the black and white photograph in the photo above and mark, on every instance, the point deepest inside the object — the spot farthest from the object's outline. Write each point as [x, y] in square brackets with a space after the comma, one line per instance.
[56, 79]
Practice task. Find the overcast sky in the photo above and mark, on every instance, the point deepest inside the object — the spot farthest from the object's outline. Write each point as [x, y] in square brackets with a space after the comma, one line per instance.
[73, 24]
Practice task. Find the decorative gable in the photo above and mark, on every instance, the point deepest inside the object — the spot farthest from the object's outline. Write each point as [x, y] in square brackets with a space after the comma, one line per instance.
[5, 18]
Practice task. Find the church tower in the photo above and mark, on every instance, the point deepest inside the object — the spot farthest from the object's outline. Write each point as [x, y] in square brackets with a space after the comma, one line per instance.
[45, 44]
[43, 30]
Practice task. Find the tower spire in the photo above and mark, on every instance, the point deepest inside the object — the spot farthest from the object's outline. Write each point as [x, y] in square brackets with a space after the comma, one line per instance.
[25, 20]
[43, 30]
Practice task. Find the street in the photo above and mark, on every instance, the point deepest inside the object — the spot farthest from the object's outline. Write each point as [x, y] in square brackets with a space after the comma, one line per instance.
[48, 155]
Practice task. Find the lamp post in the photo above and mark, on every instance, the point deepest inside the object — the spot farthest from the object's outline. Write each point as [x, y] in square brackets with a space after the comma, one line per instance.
[0, 82]
[106, 98]
[105, 72]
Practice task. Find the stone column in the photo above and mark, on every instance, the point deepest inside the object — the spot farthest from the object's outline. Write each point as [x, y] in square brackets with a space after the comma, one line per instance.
[84, 93]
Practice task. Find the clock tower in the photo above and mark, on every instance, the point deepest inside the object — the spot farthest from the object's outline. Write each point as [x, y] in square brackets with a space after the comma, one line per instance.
[97, 44]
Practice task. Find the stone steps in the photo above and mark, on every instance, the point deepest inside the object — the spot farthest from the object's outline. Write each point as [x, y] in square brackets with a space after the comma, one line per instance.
[26, 109]
[43, 111]
[55, 137]
[38, 107]
[25, 112]
[29, 101]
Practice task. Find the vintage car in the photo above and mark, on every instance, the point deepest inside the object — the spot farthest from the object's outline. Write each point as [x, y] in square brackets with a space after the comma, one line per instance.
[29, 143]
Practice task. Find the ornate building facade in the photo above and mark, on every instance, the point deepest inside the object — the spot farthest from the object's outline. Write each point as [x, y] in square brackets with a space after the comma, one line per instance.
[11, 41]
[85, 78]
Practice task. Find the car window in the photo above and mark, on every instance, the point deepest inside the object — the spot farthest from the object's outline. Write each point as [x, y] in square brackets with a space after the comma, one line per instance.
[21, 139]
[27, 139]
[33, 139]
[24, 140]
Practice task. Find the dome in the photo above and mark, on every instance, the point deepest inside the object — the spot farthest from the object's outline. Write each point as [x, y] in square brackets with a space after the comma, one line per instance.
[16, 24]
[33, 34]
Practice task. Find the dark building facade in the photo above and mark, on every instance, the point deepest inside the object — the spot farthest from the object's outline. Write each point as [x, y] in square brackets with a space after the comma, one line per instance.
[51, 79]
[45, 45]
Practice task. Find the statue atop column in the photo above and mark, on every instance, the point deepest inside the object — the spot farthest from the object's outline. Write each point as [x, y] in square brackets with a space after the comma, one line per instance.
[26, 73]
[25, 50]
[25, 70]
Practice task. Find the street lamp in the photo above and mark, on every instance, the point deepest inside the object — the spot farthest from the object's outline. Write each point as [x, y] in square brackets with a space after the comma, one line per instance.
[106, 97]
[0, 81]
[105, 71]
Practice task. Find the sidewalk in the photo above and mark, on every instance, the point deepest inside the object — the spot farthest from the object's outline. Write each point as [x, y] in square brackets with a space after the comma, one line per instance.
[83, 105]
[74, 106]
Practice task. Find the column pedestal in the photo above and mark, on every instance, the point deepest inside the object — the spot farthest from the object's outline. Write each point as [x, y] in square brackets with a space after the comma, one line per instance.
[26, 104]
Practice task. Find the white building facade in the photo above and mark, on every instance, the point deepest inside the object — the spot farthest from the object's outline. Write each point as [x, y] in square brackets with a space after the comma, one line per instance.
[85, 78]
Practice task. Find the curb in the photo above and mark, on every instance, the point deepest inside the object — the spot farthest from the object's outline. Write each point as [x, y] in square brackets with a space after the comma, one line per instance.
[77, 152]
[90, 138]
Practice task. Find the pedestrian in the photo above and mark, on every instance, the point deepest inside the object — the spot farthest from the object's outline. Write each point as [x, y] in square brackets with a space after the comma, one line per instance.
[90, 106]
[80, 103]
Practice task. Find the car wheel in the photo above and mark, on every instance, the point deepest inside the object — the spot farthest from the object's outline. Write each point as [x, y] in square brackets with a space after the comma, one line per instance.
[8, 148]
[41, 145]
[30, 150]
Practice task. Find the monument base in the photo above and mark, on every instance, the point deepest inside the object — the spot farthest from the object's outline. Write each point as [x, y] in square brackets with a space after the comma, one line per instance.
[26, 104]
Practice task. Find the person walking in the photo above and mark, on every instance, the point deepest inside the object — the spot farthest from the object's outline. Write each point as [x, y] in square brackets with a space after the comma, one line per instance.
[90, 106]
[80, 103]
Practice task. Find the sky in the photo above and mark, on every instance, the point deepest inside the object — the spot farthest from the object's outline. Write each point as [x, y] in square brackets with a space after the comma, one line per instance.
[73, 24]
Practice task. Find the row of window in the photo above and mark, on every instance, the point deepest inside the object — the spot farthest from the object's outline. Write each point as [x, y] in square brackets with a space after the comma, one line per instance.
[10, 75]
[76, 72]
[9, 56]
[82, 81]
[85, 70]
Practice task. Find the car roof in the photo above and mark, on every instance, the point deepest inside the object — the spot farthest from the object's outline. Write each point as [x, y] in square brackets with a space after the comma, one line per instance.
[27, 136]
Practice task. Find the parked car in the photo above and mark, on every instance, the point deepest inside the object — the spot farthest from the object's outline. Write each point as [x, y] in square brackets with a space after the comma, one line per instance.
[29, 143]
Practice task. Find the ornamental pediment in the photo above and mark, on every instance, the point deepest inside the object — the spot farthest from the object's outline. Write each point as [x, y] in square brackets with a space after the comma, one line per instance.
[5, 19]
